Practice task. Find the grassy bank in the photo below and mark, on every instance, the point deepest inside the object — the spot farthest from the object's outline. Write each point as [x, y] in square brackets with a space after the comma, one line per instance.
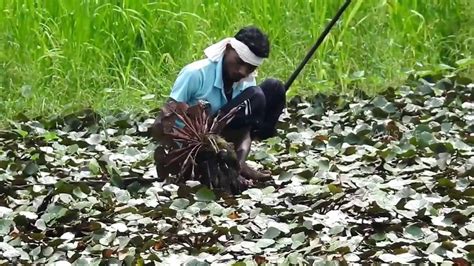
[58, 56]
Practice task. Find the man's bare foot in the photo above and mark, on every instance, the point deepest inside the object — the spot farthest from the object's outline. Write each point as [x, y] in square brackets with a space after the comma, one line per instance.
[252, 174]
[241, 185]
[245, 182]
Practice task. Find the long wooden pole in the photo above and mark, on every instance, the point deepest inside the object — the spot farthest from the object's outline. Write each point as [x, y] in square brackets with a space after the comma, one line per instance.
[317, 44]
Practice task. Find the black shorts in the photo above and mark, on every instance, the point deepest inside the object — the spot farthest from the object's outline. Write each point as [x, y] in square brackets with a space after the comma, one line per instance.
[261, 106]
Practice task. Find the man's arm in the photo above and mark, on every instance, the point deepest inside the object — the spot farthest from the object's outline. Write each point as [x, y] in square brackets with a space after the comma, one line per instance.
[184, 89]
[186, 85]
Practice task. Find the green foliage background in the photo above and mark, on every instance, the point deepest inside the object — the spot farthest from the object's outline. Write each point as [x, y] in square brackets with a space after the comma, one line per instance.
[59, 56]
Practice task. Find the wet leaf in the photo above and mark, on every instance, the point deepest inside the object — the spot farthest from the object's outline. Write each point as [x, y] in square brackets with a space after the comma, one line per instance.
[416, 204]
[298, 240]
[5, 226]
[334, 188]
[434, 102]
[205, 194]
[8, 251]
[264, 242]
[179, 204]
[444, 182]
[5, 212]
[434, 258]
[271, 233]
[31, 168]
[351, 257]
[254, 194]
[94, 139]
[399, 258]
[414, 232]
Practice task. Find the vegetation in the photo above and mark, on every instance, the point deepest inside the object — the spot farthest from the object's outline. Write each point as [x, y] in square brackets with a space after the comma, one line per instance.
[387, 179]
[59, 56]
[373, 161]
[194, 149]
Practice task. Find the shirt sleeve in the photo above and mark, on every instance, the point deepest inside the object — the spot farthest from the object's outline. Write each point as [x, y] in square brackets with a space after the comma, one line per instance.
[186, 85]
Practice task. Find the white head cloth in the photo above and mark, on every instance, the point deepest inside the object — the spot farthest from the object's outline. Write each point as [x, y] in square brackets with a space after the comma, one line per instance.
[216, 51]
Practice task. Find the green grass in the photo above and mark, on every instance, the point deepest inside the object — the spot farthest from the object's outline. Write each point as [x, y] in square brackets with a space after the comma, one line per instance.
[60, 56]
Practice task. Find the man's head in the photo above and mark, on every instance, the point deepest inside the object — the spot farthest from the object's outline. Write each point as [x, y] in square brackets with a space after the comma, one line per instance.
[255, 39]
[235, 68]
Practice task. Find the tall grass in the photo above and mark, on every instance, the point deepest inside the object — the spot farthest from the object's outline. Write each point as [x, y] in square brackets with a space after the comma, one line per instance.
[58, 56]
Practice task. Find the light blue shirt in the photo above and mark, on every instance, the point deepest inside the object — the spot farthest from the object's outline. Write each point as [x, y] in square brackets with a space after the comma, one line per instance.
[202, 80]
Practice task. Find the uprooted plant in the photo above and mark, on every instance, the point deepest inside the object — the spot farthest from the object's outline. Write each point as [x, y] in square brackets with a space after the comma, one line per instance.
[190, 147]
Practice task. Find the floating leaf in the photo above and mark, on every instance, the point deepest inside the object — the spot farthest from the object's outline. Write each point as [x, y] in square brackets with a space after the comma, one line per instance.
[31, 168]
[264, 242]
[94, 166]
[399, 258]
[334, 188]
[94, 139]
[444, 182]
[271, 233]
[8, 251]
[179, 204]
[205, 194]
[434, 102]
[414, 232]
[40, 224]
[5, 212]
[67, 236]
[298, 240]
[285, 176]
[351, 257]
[5, 226]
[416, 204]
[254, 193]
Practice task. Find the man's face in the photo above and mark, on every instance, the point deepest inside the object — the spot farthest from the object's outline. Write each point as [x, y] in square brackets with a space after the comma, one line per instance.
[235, 68]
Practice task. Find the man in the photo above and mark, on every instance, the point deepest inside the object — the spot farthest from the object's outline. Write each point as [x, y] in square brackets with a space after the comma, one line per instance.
[226, 79]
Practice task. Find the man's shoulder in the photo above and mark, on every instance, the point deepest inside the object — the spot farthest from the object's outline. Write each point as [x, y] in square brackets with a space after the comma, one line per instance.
[198, 71]
[200, 65]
